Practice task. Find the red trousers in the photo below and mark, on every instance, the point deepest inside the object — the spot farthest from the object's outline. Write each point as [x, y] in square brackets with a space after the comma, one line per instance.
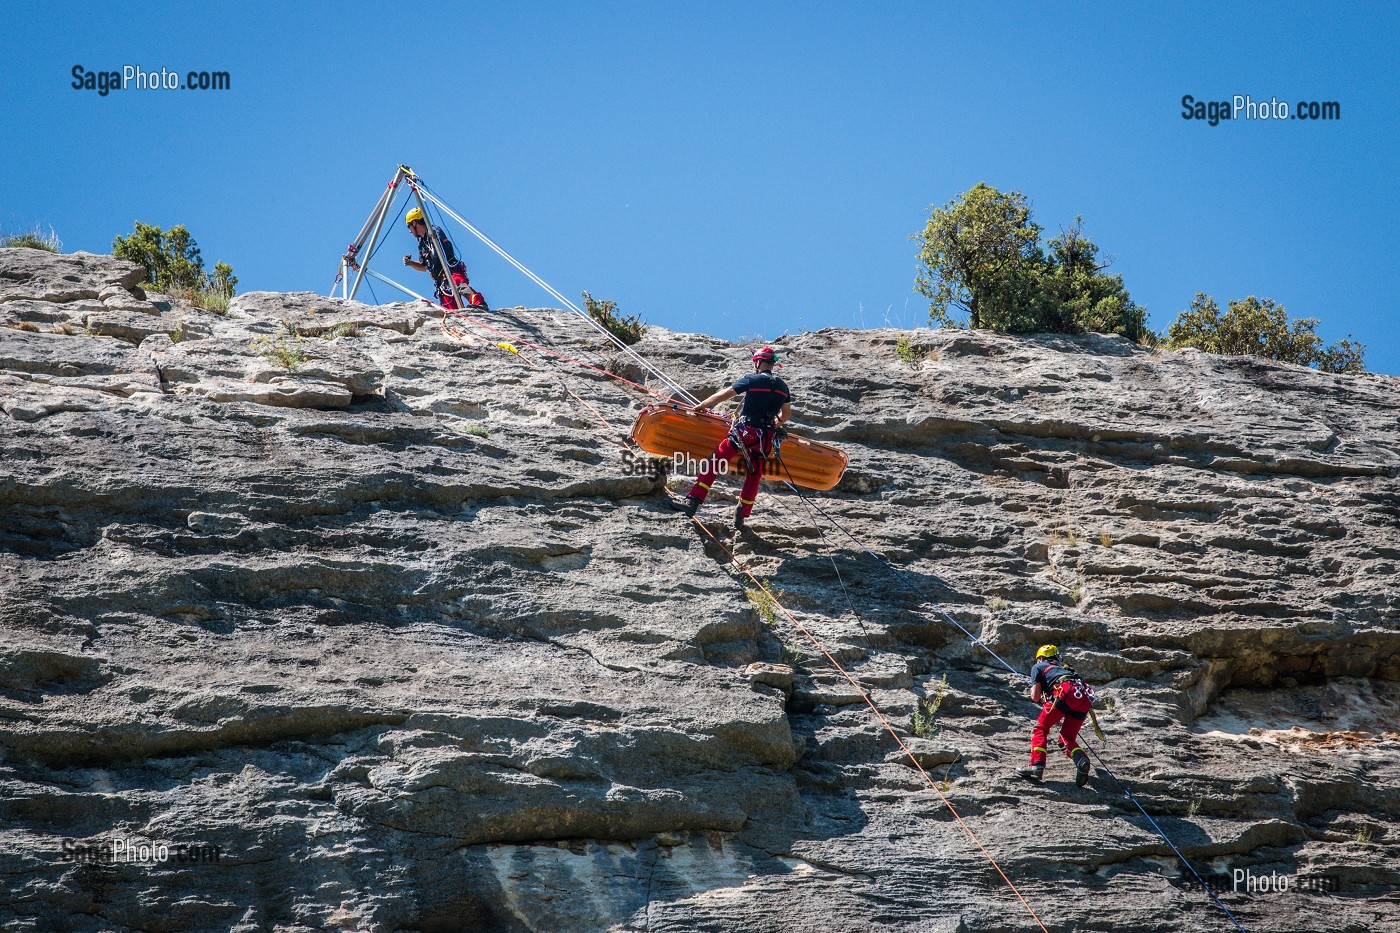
[759, 445]
[1071, 703]
[445, 293]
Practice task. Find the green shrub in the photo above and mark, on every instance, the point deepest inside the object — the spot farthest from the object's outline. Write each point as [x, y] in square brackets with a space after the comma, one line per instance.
[627, 328]
[923, 721]
[909, 352]
[173, 265]
[1255, 327]
[34, 239]
[213, 294]
[981, 255]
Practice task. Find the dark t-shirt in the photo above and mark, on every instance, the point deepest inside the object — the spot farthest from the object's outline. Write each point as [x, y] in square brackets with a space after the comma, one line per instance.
[427, 254]
[1046, 673]
[764, 397]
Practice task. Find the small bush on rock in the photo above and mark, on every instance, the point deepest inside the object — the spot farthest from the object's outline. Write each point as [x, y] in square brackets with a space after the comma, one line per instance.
[173, 265]
[625, 327]
[1255, 327]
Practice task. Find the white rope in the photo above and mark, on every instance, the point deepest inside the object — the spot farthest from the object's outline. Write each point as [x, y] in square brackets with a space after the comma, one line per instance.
[641, 360]
[388, 281]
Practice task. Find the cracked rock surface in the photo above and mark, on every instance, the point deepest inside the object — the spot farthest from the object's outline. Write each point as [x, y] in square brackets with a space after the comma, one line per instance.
[395, 626]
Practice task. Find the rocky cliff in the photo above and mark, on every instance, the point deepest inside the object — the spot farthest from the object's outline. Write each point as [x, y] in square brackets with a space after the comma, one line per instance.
[377, 627]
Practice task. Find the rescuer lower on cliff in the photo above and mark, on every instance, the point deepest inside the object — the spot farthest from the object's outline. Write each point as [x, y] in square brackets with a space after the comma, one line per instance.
[767, 404]
[1066, 697]
[428, 261]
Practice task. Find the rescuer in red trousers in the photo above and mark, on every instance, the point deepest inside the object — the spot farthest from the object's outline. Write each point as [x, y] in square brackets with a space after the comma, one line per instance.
[430, 262]
[767, 404]
[1066, 697]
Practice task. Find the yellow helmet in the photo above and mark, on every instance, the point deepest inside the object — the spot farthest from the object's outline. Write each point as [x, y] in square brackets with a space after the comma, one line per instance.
[415, 214]
[1047, 651]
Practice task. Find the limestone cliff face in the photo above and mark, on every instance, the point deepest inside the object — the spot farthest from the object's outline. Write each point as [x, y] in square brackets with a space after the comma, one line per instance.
[403, 634]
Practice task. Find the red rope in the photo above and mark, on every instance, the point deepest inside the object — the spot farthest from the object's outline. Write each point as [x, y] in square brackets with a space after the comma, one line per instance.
[569, 359]
[878, 715]
[455, 335]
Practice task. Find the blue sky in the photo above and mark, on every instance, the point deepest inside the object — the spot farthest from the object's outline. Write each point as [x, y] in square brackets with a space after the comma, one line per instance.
[729, 168]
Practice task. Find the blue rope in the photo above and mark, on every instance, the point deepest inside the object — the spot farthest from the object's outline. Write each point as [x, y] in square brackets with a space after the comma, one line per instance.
[1127, 793]
[912, 586]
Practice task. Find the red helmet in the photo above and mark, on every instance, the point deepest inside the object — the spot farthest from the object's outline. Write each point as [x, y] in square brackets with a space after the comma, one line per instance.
[766, 355]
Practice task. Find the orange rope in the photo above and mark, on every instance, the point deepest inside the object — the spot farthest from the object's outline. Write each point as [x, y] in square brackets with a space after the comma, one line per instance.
[878, 715]
[793, 619]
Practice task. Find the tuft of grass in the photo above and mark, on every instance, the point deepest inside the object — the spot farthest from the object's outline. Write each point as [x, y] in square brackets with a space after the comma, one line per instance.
[946, 784]
[27, 325]
[922, 724]
[342, 330]
[1365, 834]
[1105, 540]
[34, 239]
[997, 604]
[1107, 701]
[909, 352]
[287, 350]
[208, 295]
[1076, 593]
[764, 604]
[477, 430]
[1195, 807]
[625, 327]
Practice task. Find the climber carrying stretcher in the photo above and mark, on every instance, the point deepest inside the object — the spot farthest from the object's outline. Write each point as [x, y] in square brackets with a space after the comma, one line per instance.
[759, 426]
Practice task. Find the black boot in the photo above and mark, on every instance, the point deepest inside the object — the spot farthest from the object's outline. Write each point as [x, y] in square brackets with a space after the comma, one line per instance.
[739, 523]
[1033, 773]
[689, 506]
[1081, 768]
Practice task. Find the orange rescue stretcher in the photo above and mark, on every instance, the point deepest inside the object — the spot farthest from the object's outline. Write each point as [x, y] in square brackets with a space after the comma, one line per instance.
[666, 430]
